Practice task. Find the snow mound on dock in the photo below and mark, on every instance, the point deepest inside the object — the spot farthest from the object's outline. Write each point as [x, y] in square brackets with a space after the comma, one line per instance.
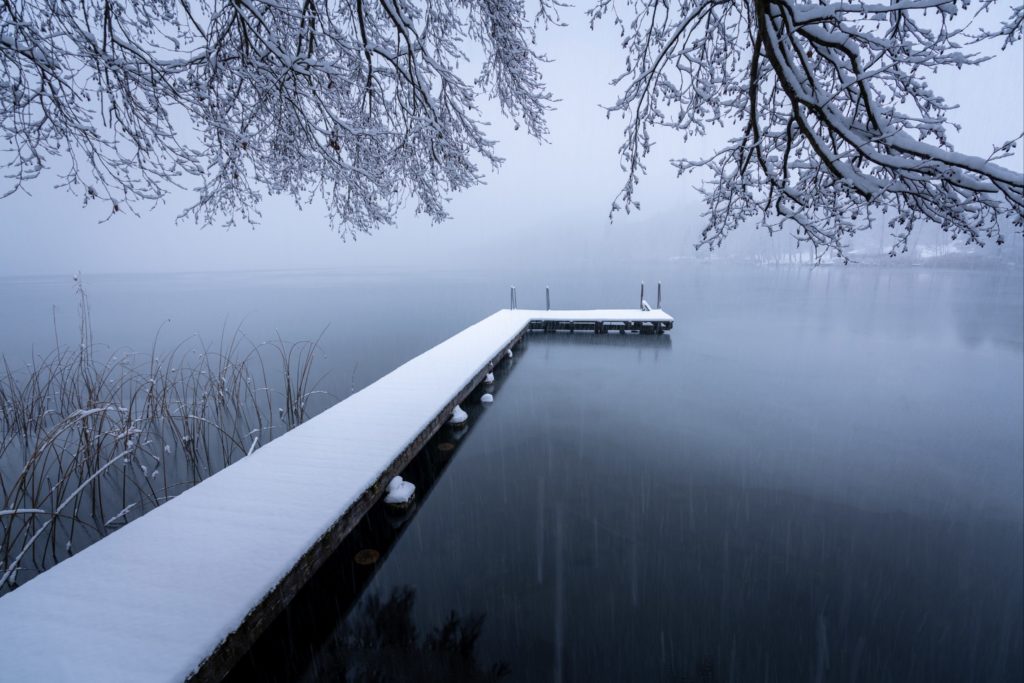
[400, 491]
[459, 416]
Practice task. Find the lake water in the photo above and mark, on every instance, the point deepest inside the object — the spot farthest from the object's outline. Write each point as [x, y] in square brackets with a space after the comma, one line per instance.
[817, 475]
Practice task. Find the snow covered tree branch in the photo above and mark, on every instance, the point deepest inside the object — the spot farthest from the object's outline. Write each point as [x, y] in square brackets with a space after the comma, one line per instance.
[367, 104]
[835, 121]
[362, 102]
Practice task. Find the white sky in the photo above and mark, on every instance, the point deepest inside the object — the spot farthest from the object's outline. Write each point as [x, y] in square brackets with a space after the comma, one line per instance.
[554, 196]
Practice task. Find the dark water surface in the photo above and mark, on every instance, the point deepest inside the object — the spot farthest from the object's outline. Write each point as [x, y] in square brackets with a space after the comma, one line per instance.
[817, 476]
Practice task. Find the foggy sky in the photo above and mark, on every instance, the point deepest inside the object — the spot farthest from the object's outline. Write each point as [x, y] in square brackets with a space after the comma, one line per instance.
[548, 204]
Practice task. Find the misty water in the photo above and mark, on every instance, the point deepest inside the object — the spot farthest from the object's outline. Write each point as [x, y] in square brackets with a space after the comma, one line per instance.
[817, 475]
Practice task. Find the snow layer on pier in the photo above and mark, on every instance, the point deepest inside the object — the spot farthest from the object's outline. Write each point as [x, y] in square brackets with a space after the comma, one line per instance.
[400, 491]
[606, 316]
[152, 600]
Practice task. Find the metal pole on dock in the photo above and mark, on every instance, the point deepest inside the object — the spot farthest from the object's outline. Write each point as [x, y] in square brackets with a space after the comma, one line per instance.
[512, 297]
[659, 295]
[641, 295]
[547, 297]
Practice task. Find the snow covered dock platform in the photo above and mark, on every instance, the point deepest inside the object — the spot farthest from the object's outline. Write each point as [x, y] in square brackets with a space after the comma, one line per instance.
[183, 592]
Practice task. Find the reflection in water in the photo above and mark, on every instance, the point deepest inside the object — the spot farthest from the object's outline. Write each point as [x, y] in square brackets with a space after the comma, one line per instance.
[611, 530]
[380, 642]
[703, 672]
[308, 641]
[817, 476]
[617, 519]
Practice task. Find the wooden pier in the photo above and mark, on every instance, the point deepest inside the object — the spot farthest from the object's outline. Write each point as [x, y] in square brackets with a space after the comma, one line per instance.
[184, 591]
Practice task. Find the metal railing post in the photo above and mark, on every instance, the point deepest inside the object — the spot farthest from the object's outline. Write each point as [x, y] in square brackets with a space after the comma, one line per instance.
[659, 295]
[547, 297]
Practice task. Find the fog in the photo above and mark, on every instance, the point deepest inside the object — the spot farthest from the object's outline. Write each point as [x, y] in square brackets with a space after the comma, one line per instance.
[802, 474]
[547, 205]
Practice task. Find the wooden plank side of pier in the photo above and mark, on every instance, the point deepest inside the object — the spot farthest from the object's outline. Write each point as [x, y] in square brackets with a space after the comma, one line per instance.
[184, 590]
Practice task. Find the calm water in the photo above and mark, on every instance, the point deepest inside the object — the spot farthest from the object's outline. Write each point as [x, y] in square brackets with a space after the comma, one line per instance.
[817, 476]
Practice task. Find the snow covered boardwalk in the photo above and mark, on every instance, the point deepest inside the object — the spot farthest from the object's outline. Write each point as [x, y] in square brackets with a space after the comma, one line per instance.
[184, 590]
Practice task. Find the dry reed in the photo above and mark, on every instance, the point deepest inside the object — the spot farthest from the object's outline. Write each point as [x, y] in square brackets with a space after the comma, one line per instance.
[89, 443]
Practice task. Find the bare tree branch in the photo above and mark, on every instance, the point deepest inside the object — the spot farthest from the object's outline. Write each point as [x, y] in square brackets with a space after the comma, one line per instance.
[361, 103]
[836, 121]
[366, 105]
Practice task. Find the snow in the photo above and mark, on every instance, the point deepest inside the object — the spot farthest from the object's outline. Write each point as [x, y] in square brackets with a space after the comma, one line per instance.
[487, 398]
[489, 379]
[459, 416]
[609, 315]
[23, 511]
[153, 599]
[400, 491]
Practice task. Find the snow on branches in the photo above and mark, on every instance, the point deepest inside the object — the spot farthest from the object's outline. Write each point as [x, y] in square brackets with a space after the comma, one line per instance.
[361, 102]
[835, 121]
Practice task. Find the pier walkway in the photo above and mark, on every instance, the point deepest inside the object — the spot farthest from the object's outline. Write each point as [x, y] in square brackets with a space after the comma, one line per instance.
[182, 592]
